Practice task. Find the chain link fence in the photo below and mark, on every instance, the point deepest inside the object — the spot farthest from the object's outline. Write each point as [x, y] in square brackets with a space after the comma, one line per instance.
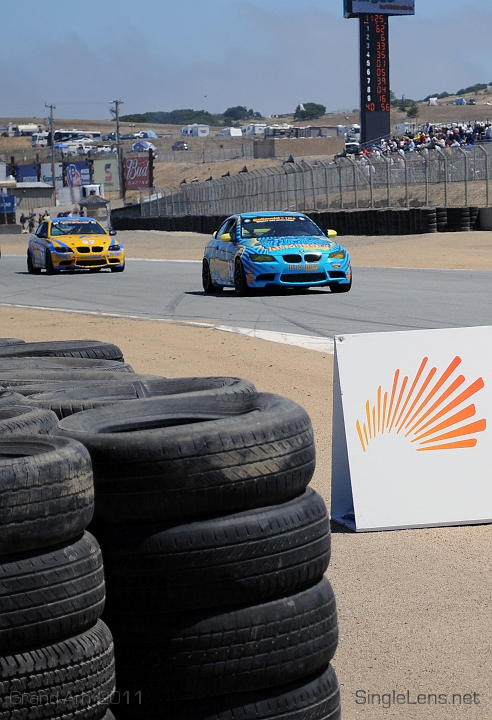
[437, 178]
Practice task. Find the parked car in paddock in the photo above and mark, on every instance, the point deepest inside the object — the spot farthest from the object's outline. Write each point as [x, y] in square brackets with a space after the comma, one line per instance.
[284, 249]
[74, 243]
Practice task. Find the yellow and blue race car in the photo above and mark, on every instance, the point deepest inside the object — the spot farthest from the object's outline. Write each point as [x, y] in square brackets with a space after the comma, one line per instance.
[286, 249]
[74, 243]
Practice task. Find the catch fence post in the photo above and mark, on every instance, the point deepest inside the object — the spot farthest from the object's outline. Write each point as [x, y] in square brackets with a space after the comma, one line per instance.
[445, 160]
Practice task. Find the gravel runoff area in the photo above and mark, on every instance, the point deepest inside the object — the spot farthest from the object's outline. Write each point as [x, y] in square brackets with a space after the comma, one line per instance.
[414, 605]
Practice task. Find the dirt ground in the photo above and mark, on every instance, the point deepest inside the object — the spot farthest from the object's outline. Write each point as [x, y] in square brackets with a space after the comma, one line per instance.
[414, 605]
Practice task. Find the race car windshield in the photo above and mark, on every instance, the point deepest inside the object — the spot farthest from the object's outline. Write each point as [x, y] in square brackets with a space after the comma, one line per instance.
[279, 227]
[76, 228]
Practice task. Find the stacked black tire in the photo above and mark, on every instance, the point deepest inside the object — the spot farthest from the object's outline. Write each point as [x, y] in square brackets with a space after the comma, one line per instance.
[56, 655]
[214, 551]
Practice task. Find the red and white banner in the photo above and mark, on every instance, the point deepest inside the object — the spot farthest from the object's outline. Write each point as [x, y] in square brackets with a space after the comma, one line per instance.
[137, 173]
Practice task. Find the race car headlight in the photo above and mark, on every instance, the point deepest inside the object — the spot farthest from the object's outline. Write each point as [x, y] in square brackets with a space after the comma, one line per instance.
[337, 255]
[115, 247]
[62, 249]
[261, 258]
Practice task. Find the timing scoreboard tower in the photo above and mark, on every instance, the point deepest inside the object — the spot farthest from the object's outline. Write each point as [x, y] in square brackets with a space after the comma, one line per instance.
[374, 61]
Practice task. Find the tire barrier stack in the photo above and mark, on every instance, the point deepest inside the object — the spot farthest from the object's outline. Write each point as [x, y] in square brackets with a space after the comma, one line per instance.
[56, 655]
[214, 546]
[214, 550]
[383, 221]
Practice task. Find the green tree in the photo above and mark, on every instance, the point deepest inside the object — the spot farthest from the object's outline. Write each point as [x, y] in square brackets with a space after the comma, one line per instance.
[413, 110]
[309, 111]
[240, 112]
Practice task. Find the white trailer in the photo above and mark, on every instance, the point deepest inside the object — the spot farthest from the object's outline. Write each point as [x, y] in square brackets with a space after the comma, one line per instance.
[254, 129]
[195, 130]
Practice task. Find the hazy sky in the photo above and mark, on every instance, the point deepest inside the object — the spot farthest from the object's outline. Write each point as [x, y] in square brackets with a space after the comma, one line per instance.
[269, 55]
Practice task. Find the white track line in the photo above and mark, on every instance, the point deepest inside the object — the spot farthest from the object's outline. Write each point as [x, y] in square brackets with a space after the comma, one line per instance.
[309, 342]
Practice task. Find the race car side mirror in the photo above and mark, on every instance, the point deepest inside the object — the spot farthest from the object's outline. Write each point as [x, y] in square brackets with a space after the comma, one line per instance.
[226, 237]
[112, 232]
[331, 233]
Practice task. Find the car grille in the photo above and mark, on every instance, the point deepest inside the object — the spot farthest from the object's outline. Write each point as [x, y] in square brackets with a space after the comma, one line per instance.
[90, 263]
[336, 274]
[292, 258]
[302, 277]
[312, 257]
[86, 249]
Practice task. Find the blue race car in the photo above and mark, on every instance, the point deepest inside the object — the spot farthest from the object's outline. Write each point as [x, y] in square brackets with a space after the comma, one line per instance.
[285, 249]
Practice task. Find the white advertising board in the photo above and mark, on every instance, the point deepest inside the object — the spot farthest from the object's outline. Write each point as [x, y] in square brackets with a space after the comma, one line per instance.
[412, 419]
[47, 174]
[384, 7]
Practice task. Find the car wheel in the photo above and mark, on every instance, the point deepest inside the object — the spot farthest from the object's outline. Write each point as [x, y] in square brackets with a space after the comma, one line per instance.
[118, 269]
[31, 268]
[50, 270]
[240, 283]
[340, 288]
[208, 285]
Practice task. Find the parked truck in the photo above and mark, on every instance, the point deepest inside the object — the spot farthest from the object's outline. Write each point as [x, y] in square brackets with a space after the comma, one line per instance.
[17, 130]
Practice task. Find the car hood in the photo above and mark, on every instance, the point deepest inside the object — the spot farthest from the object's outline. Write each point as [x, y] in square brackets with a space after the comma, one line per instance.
[275, 244]
[73, 241]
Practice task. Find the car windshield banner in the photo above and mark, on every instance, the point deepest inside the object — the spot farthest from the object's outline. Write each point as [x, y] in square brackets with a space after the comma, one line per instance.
[77, 173]
[383, 7]
[27, 173]
[47, 174]
[106, 173]
[136, 173]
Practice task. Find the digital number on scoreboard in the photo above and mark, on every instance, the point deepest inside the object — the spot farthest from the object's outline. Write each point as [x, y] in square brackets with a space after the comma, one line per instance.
[374, 56]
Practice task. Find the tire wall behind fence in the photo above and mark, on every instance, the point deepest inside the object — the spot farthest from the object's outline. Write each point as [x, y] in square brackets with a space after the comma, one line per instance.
[408, 221]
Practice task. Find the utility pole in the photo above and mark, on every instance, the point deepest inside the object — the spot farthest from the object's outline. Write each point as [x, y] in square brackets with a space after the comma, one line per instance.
[121, 176]
[52, 107]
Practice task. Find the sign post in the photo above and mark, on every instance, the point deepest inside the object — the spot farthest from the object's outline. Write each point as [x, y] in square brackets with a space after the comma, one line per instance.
[412, 420]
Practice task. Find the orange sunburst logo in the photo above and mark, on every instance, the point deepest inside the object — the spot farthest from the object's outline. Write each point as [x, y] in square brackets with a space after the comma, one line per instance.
[431, 412]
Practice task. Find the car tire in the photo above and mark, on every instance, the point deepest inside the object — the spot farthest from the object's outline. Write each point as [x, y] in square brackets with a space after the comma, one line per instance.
[50, 270]
[241, 287]
[31, 267]
[236, 452]
[69, 400]
[51, 594]
[8, 397]
[209, 653]
[72, 678]
[5, 342]
[340, 287]
[316, 697]
[46, 491]
[25, 420]
[118, 269]
[62, 365]
[208, 285]
[91, 349]
[236, 559]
